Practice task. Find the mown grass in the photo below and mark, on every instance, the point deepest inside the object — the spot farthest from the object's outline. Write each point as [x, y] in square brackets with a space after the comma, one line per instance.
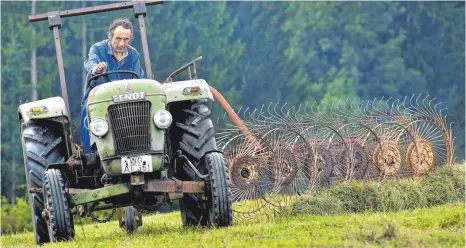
[444, 185]
[441, 226]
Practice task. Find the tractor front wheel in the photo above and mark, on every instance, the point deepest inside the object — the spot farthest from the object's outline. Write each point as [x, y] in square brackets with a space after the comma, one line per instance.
[216, 208]
[57, 212]
[219, 197]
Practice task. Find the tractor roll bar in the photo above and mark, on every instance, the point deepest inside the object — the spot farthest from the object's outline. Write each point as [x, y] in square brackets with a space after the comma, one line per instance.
[54, 19]
[91, 10]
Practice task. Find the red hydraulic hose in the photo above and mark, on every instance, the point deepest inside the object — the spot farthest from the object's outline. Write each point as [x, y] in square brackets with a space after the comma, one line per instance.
[234, 117]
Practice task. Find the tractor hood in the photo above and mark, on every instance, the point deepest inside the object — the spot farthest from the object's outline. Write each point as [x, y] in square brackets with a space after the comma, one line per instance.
[123, 103]
[112, 99]
[107, 91]
[127, 90]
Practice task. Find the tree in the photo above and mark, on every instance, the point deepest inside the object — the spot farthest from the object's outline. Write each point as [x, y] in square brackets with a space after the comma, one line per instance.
[434, 46]
[17, 88]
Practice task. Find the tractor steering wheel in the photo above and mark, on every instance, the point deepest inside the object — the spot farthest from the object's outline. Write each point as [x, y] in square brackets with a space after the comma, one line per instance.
[105, 74]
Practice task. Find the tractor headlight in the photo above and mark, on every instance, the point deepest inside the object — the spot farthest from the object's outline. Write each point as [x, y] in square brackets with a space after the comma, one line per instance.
[162, 119]
[99, 127]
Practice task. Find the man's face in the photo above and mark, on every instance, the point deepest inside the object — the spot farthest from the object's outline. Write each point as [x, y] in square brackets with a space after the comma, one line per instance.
[121, 38]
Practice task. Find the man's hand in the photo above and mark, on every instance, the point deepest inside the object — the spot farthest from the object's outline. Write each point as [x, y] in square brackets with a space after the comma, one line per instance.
[99, 68]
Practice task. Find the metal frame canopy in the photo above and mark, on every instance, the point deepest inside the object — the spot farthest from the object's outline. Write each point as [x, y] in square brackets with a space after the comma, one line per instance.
[54, 19]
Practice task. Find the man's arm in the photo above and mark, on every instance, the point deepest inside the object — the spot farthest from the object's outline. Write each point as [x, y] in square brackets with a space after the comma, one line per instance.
[92, 60]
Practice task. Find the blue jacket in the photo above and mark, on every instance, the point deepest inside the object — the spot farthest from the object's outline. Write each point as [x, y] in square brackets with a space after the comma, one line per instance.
[102, 52]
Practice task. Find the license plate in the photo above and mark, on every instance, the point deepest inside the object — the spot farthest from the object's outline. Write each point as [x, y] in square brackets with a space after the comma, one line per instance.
[136, 164]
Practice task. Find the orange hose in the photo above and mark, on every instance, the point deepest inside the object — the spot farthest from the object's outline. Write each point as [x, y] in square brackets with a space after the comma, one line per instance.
[234, 117]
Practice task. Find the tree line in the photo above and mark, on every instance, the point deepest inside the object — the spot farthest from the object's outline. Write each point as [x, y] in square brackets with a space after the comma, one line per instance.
[254, 53]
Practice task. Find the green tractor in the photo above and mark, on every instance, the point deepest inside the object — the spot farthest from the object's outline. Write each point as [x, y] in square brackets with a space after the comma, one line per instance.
[155, 143]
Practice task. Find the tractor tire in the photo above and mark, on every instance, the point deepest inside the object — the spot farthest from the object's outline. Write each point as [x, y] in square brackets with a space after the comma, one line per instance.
[42, 144]
[131, 223]
[60, 220]
[218, 191]
[218, 210]
[193, 211]
[194, 134]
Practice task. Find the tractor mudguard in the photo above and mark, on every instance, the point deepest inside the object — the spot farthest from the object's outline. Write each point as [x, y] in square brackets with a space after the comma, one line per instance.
[187, 90]
[50, 108]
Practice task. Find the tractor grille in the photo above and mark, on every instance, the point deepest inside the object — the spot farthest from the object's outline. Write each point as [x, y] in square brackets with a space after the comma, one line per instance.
[130, 123]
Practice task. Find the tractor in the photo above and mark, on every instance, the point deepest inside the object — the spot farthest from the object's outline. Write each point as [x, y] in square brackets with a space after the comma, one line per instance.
[154, 143]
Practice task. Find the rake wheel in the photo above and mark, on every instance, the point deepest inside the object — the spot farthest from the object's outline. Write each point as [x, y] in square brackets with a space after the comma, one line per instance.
[387, 158]
[244, 171]
[359, 161]
[254, 192]
[285, 166]
[324, 164]
[420, 157]
[308, 161]
[342, 160]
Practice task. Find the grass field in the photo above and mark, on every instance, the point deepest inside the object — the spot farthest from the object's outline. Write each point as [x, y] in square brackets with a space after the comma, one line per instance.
[441, 226]
[426, 212]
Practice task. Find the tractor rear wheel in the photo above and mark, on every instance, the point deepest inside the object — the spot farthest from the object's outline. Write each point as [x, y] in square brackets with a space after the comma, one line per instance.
[193, 132]
[193, 211]
[57, 210]
[194, 135]
[42, 144]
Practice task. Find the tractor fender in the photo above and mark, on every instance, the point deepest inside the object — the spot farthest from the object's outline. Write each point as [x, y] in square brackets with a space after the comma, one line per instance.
[181, 90]
[50, 108]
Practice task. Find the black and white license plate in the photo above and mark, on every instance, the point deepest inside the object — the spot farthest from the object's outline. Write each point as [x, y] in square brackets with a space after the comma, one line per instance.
[136, 164]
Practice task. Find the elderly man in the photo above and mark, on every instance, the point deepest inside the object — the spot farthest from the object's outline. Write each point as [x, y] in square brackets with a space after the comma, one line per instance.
[115, 53]
[111, 54]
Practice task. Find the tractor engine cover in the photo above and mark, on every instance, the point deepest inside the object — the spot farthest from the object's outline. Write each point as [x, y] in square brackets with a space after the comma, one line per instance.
[121, 125]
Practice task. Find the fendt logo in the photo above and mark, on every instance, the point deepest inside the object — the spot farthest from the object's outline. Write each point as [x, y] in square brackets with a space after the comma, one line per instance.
[129, 97]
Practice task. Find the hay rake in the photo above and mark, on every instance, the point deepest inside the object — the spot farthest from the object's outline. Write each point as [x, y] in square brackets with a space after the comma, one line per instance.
[279, 152]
